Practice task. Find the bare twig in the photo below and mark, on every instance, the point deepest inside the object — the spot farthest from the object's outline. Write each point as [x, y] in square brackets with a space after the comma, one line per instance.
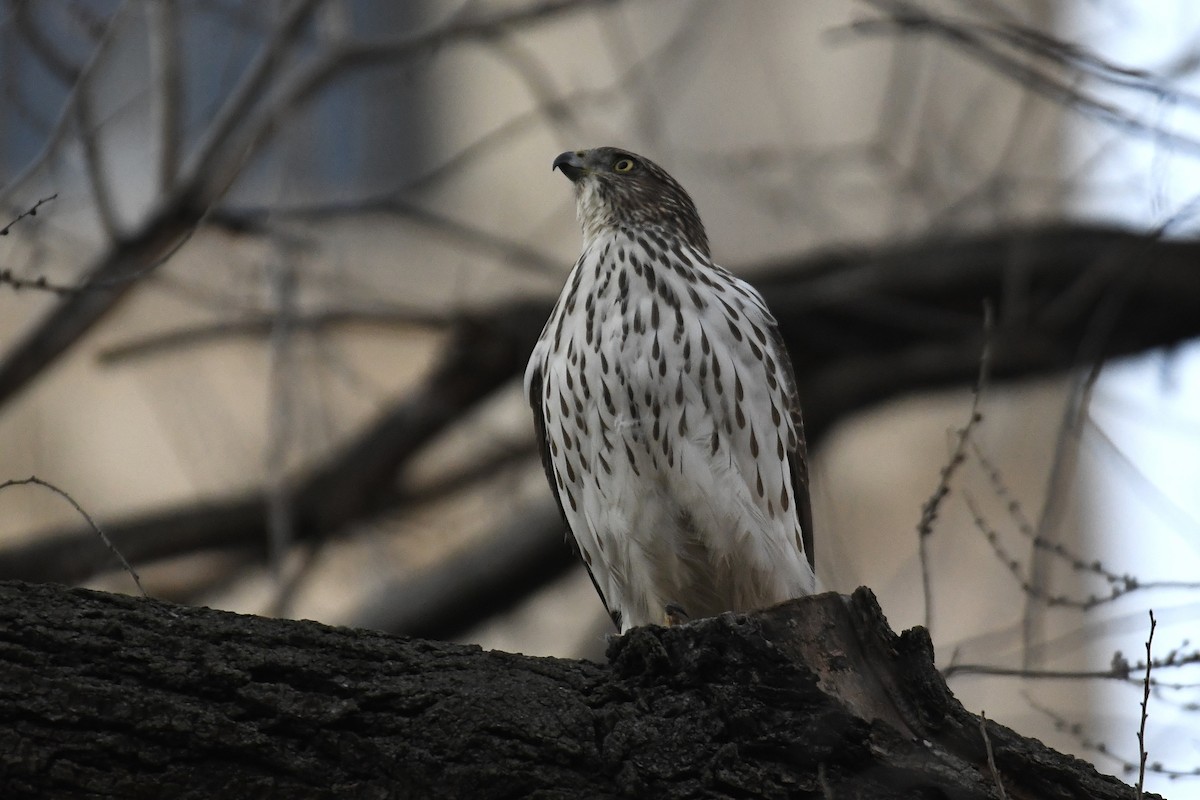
[1026, 528]
[979, 42]
[244, 124]
[1106, 290]
[43, 47]
[62, 125]
[93, 160]
[164, 49]
[355, 483]
[254, 82]
[8, 277]
[123, 265]
[221, 156]
[1088, 743]
[105, 283]
[33, 480]
[938, 282]
[260, 325]
[1136, 480]
[539, 79]
[991, 757]
[466, 236]
[1141, 736]
[29, 212]
[929, 511]
[1119, 584]
[40, 283]
[617, 91]
[1119, 671]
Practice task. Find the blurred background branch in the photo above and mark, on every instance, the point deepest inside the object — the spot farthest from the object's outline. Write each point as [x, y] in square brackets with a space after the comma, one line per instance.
[270, 331]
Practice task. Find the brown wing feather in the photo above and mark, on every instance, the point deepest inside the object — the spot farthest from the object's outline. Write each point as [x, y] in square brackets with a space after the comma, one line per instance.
[798, 458]
[539, 427]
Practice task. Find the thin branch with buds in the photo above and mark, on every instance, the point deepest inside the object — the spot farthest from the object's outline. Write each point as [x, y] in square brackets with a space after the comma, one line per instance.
[29, 212]
[1119, 585]
[1006, 48]
[1086, 742]
[929, 511]
[1141, 736]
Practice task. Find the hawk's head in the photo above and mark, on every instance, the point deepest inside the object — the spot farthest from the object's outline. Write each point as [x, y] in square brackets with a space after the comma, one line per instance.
[618, 189]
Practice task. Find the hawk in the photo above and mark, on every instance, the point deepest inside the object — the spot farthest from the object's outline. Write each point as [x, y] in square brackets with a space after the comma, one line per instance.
[665, 406]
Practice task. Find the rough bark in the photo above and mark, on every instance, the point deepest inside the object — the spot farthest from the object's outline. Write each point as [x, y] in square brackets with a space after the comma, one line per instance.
[112, 696]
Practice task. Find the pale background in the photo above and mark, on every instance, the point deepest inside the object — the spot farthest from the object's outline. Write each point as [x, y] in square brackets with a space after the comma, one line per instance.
[792, 130]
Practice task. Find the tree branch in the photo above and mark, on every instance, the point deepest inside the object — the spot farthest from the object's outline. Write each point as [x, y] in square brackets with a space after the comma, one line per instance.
[356, 482]
[862, 327]
[110, 696]
[240, 130]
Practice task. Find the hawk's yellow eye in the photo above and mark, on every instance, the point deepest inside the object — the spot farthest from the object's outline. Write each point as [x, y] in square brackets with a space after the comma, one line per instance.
[623, 165]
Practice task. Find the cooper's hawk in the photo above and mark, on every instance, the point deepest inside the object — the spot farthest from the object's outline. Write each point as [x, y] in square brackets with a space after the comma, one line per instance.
[666, 409]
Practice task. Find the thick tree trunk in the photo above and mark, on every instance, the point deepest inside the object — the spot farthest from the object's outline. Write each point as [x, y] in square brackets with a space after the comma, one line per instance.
[111, 696]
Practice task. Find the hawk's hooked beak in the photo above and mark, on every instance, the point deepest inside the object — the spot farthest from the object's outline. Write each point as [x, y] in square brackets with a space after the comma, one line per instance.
[571, 164]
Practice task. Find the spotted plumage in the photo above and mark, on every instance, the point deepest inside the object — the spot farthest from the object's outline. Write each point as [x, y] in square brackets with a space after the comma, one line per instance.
[666, 408]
